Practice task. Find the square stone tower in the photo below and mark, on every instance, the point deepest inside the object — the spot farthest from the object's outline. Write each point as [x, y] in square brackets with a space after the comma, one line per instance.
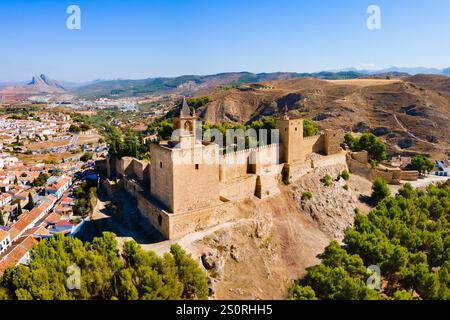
[184, 173]
[291, 139]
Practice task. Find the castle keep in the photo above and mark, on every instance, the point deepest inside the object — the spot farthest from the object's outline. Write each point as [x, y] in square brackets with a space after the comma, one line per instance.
[190, 184]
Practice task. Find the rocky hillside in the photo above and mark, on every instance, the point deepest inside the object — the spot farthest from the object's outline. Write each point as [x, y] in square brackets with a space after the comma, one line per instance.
[276, 239]
[411, 113]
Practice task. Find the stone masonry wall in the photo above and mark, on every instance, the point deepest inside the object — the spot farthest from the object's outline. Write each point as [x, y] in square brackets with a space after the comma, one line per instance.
[240, 188]
[409, 175]
[313, 144]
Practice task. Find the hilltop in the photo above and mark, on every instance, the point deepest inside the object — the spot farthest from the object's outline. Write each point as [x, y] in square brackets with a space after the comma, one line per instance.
[193, 84]
[411, 113]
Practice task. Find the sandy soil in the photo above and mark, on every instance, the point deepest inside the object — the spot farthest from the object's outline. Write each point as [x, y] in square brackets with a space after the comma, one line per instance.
[87, 139]
[364, 82]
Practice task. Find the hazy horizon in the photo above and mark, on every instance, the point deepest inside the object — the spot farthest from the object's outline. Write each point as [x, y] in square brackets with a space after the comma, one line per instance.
[214, 73]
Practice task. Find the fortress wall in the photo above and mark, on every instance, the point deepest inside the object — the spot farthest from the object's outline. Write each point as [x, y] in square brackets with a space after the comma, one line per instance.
[132, 187]
[313, 144]
[391, 176]
[175, 226]
[298, 170]
[264, 159]
[409, 176]
[138, 167]
[359, 168]
[361, 156]
[111, 167]
[385, 175]
[110, 186]
[240, 188]
[233, 165]
[185, 223]
[267, 185]
[331, 160]
[124, 166]
[333, 140]
[161, 182]
[151, 214]
[101, 166]
[146, 176]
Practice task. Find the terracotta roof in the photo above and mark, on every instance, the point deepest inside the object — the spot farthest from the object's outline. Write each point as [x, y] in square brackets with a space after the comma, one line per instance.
[67, 200]
[3, 235]
[16, 252]
[37, 231]
[26, 219]
[58, 184]
[53, 217]
[64, 223]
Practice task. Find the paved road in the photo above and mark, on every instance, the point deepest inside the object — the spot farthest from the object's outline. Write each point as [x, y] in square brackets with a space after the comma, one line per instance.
[429, 179]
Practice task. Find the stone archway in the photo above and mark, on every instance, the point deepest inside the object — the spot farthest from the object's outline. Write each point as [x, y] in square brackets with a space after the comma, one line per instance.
[188, 126]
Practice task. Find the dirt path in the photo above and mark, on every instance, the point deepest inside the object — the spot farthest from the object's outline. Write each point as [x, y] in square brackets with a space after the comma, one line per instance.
[186, 242]
[409, 133]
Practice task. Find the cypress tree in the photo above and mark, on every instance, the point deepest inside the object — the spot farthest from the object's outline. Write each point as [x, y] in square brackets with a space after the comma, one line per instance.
[2, 221]
[19, 209]
[31, 203]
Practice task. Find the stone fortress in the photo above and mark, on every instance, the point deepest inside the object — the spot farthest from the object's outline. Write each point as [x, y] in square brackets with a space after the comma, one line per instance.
[180, 192]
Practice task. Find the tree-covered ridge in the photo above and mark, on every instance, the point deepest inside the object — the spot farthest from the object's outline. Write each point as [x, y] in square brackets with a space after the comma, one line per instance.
[105, 273]
[127, 144]
[406, 236]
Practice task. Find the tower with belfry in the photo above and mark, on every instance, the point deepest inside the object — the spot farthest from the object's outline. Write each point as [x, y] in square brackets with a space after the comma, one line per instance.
[180, 178]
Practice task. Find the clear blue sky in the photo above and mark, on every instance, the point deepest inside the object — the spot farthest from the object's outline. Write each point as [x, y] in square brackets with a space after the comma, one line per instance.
[147, 38]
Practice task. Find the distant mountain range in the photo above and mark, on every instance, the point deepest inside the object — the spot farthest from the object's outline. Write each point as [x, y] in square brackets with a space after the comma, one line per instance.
[188, 84]
[39, 84]
[192, 84]
[410, 71]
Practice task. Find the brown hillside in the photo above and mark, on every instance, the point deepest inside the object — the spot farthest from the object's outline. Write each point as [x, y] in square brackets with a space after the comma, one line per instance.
[411, 114]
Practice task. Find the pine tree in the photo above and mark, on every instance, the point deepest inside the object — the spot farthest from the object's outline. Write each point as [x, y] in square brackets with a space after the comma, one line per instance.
[380, 190]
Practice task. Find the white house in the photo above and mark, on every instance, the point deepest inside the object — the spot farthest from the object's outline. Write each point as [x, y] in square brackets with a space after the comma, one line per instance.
[443, 168]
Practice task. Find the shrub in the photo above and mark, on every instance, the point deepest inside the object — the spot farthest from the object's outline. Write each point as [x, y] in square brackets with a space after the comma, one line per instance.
[402, 295]
[307, 195]
[380, 190]
[345, 175]
[373, 164]
[326, 180]
[368, 142]
[309, 128]
[303, 293]
[87, 156]
[421, 164]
